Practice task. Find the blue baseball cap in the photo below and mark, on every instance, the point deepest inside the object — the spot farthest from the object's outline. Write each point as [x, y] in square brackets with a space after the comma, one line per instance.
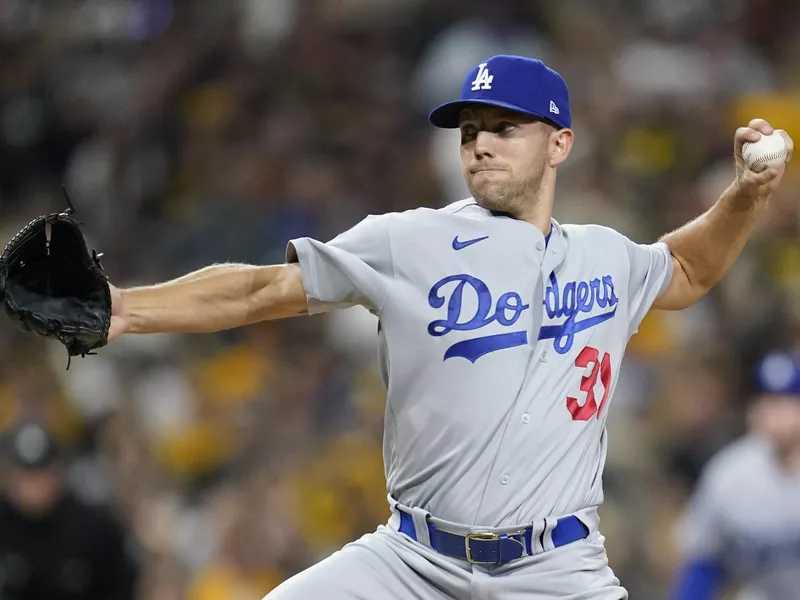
[518, 83]
[778, 373]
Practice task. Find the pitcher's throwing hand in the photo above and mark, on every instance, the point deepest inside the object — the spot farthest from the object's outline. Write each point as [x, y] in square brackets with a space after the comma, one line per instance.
[761, 158]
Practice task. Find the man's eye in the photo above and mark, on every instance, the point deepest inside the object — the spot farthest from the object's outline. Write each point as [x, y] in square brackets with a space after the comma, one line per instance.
[468, 136]
[506, 127]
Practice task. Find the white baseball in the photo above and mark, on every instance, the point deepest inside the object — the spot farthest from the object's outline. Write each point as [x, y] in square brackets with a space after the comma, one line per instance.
[769, 151]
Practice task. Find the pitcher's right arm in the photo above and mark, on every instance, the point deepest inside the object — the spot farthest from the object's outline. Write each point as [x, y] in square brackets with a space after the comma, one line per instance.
[211, 299]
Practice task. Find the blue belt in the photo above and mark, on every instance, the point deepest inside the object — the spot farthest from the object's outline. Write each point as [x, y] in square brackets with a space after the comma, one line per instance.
[493, 548]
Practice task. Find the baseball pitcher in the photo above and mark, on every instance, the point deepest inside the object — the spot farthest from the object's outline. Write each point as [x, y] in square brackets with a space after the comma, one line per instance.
[500, 342]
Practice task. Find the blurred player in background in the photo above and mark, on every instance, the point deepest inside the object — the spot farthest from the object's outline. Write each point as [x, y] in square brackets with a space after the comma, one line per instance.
[742, 525]
[52, 545]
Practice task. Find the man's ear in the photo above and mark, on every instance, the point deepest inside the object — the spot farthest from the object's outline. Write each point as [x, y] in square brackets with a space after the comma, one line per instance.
[560, 145]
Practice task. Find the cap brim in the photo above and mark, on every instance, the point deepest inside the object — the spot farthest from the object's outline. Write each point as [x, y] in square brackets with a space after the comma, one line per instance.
[446, 116]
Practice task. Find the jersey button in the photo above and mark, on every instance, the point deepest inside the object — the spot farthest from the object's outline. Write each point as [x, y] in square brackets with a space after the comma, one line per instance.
[526, 418]
[539, 245]
[544, 357]
[504, 480]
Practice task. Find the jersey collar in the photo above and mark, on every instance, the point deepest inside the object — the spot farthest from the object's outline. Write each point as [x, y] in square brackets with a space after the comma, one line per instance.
[555, 250]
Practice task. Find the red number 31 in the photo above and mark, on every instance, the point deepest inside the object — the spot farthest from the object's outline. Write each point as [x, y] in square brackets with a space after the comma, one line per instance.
[589, 408]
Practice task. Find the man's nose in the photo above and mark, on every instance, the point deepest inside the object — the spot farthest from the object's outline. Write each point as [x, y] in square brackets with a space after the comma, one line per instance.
[484, 144]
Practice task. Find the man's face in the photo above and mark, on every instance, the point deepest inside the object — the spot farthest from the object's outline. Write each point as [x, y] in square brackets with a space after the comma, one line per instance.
[34, 491]
[504, 155]
[778, 418]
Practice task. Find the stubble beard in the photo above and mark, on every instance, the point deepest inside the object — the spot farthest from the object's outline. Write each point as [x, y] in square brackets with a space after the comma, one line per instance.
[513, 197]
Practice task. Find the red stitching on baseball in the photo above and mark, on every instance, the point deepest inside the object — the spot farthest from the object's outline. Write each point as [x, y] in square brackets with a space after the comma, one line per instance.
[767, 157]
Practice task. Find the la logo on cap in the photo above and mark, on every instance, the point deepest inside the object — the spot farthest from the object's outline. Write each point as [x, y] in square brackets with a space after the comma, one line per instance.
[484, 80]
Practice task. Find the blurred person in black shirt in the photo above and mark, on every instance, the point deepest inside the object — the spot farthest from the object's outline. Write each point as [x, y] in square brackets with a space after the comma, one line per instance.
[53, 546]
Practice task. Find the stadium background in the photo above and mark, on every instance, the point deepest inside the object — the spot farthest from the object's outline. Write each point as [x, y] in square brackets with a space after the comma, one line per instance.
[193, 132]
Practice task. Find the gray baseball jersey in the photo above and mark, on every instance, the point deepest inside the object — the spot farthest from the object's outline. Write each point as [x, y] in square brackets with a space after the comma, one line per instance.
[745, 516]
[499, 350]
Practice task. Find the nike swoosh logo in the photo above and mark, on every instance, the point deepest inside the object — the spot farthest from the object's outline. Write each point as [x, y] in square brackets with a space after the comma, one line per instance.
[461, 245]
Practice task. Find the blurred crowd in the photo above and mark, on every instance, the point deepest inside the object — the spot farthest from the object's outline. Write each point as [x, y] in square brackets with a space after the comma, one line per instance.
[190, 132]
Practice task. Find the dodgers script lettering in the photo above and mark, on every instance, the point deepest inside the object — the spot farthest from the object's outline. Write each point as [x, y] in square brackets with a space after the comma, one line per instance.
[574, 299]
[506, 312]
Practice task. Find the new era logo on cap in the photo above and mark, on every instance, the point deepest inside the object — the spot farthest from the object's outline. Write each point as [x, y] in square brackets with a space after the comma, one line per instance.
[517, 83]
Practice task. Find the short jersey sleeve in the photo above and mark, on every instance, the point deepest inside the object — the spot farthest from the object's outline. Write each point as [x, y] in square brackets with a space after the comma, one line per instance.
[650, 274]
[354, 268]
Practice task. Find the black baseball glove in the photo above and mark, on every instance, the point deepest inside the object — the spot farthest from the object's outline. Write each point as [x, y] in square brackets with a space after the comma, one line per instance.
[52, 285]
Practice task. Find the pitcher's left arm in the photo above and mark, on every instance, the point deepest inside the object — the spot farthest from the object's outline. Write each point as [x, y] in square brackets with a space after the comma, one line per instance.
[704, 249]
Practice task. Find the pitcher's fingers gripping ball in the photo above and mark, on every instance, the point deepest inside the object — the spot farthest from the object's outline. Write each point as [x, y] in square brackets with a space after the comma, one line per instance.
[769, 151]
[761, 154]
